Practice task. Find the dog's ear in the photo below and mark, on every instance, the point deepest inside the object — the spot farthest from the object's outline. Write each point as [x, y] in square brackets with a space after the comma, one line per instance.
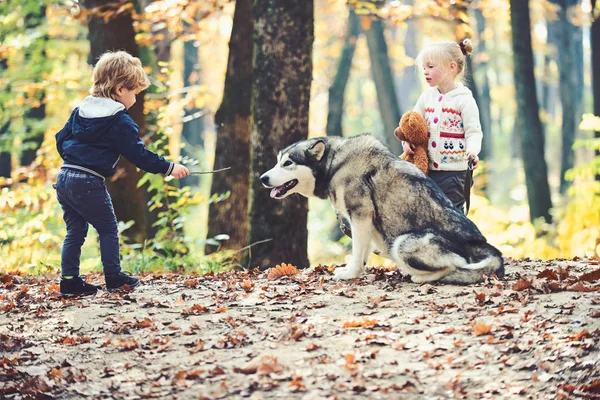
[317, 150]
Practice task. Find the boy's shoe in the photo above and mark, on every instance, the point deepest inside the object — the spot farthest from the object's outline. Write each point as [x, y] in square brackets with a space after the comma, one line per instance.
[76, 286]
[118, 281]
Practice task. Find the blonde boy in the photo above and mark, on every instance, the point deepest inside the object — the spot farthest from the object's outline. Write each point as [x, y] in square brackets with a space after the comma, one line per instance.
[91, 143]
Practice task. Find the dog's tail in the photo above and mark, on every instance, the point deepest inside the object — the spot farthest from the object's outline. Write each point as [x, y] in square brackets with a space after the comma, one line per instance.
[484, 260]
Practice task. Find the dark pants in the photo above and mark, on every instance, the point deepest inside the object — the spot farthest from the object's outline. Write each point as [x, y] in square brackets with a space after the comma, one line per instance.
[85, 200]
[452, 184]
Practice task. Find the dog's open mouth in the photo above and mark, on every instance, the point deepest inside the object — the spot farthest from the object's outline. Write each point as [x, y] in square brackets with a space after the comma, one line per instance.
[280, 191]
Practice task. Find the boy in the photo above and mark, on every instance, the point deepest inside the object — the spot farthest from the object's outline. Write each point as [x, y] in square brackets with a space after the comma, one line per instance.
[91, 143]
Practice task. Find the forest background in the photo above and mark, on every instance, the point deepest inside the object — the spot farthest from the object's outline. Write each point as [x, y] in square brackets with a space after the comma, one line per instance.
[235, 82]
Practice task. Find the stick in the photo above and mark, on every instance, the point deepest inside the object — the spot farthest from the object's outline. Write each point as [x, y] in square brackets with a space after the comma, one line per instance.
[208, 172]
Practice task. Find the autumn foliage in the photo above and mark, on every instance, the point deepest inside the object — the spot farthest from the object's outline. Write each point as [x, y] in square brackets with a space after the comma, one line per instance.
[282, 270]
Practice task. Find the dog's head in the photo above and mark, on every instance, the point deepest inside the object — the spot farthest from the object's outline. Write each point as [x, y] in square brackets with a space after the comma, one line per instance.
[296, 168]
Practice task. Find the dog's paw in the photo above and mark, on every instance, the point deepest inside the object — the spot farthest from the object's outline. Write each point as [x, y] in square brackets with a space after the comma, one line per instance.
[419, 278]
[346, 273]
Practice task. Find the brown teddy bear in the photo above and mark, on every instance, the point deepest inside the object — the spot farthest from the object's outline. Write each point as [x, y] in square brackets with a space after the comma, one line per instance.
[412, 128]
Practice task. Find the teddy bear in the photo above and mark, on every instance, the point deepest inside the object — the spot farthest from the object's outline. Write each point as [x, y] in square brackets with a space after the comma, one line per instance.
[412, 128]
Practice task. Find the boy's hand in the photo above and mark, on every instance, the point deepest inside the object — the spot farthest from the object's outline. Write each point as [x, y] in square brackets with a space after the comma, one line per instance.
[407, 147]
[179, 171]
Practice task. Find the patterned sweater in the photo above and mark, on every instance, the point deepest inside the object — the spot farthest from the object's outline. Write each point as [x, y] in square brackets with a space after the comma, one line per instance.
[453, 127]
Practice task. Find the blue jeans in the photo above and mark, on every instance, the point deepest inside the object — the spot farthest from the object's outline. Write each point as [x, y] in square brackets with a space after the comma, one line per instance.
[85, 200]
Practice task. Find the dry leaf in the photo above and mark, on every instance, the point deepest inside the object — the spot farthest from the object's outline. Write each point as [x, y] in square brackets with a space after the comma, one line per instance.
[480, 297]
[481, 328]
[196, 309]
[590, 276]
[282, 270]
[522, 284]
[247, 285]
[365, 323]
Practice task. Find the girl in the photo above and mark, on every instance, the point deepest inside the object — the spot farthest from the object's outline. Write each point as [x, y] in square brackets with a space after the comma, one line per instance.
[452, 118]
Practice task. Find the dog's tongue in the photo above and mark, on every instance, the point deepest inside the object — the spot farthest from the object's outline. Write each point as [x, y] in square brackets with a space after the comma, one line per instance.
[274, 192]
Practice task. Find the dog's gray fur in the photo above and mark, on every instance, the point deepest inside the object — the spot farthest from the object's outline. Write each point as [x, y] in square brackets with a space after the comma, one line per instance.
[392, 207]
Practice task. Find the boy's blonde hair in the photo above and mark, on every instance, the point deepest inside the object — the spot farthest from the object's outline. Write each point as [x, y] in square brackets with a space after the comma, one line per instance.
[443, 53]
[115, 69]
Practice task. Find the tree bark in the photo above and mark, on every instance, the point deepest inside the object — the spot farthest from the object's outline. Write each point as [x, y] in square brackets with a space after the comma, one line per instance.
[565, 49]
[530, 127]
[283, 39]
[485, 101]
[595, 44]
[129, 201]
[384, 84]
[234, 122]
[192, 130]
[35, 55]
[5, 158]
[408, 82]
[338, 87]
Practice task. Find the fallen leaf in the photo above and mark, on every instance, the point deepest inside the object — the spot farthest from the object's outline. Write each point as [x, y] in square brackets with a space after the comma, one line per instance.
[365, 323]
[481, 328]
[281, 271]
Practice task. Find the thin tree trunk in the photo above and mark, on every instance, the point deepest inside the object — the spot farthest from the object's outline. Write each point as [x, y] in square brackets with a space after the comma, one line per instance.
[384, 84]
[485, 101]
[530, 127]
[408, 82]
[192, 130]
[595, 44]
[338, 87]
[234, 125]
[567, 88]
[5, 158]
[35, 54]
[283, 40]
[129, 200]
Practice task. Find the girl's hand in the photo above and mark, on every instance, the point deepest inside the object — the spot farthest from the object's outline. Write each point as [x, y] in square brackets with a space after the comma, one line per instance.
[407, 147]
[475, 159]
[179, 171]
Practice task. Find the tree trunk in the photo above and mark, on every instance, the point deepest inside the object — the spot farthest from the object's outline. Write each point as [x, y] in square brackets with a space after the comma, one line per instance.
[408, 83]
[35, 55]
[283, 39]
[129, 201]
[595, 44]
[568, 87]
[5, 158]
[530, 127]
[384, 84]
[234, 122]
[338, 87]
[485, 101]
[192, 130]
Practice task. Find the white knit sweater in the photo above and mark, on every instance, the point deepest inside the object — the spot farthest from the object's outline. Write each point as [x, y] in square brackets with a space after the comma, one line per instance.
[453, 127]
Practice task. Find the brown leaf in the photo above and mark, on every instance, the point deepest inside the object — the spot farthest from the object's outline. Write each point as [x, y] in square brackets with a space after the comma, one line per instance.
[282, 270]
[480, 298]
[365, 323]
[581, 287]
[579, 336]
[549, 274]
[522, 284]
[196, 309]
[312, 347]
[481, 328]
[590, 276]
[593, 387]
[247, 285]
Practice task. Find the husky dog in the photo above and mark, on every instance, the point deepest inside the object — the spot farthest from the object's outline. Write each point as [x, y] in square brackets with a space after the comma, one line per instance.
[392, 206]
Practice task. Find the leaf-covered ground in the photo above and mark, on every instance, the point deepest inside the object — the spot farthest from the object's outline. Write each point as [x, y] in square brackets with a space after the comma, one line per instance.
[261, 335]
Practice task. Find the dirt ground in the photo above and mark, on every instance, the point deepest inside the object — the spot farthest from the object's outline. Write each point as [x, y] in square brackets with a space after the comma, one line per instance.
[534, 334]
